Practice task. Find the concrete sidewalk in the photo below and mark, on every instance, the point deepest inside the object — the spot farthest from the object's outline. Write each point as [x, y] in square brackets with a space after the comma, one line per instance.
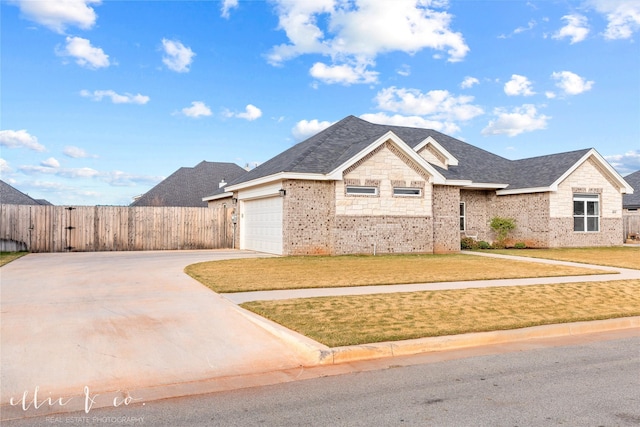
[617, 274]
[119, 321]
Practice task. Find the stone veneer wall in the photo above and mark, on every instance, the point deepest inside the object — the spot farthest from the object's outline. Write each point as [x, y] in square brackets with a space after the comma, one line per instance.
[477, 212]
[446, 219]
[382, 234]
[531, 214]
[308, 217]
[562, 234]
[589, 177]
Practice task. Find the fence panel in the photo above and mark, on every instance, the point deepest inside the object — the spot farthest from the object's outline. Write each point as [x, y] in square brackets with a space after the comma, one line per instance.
[631, 224]
[114, 228]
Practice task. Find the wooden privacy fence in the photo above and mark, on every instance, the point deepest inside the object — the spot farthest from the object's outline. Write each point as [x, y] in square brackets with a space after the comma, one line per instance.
[631, 224]
[115, 228]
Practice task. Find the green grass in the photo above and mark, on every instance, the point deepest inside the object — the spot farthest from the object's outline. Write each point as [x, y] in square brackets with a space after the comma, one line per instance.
[255, 274]
[614, 256]
[350, 320]
[7, 257]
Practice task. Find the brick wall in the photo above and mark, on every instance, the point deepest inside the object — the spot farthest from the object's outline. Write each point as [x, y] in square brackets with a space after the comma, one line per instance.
[531, 214]
[309, 214]
[382, 234]
[446, 219]
[562, 234]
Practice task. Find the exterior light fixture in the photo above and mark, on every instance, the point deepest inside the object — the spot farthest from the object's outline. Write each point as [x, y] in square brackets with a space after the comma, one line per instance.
[282, 192]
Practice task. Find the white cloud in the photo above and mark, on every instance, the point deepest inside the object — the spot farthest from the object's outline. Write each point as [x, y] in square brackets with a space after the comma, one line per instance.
[343, 74]
[115, 178]
[530, 26]
[549, 94]
[519, 120]
[625, 163]
[438, 104]
[250, 113]
[197, 109]
[63, 172]
[76, 152]
[58, 14]
[116, 98]
[4, 166]
[354, 33]
[404, 70]
[51, 162]
[518, 85]
[623, 17]
[177, 57]
[307, 128]
[571, 83]
[86, 55]
[411, 121]
[20, 139]
[576, 28]
[227, 5]
[469, 82]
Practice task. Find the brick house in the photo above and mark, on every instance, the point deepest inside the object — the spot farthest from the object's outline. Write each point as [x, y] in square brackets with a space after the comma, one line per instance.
[358, 187]
[631, 209]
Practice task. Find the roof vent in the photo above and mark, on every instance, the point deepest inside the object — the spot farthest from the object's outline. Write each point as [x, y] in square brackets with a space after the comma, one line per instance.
[222, 183]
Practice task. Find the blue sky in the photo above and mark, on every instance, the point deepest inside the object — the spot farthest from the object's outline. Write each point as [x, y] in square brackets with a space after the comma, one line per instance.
[100, 100]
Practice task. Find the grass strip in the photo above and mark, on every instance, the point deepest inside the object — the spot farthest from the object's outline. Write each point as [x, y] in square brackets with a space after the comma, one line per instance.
[615, 256]
[257, 274]
[350, 320]
[7, 257]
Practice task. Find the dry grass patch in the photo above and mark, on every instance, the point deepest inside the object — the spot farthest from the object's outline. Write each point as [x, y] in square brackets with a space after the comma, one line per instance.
[255, 274]
[616, 256]
[7, 257]
[350, 320]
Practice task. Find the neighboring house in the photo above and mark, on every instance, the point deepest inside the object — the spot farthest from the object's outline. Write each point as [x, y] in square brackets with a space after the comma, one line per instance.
[358, 187]
[631, 209]
[187, 186]
[11, 196]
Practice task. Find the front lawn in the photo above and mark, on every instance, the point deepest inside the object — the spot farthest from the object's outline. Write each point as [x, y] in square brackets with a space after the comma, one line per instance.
[350, 320]
[615, 256]
[256, 274]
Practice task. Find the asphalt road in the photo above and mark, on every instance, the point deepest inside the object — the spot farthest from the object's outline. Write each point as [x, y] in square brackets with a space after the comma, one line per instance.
[594, 383]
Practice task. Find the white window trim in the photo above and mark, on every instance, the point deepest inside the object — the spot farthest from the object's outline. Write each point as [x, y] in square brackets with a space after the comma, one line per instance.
[587, 197]
[361, 187]
[463, 216]
[418, 189]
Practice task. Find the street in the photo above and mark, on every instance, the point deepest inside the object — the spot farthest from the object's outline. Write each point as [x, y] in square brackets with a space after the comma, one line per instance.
[593, 382]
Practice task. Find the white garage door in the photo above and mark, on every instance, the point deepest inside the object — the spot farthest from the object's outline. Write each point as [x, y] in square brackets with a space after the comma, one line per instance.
[262, 225]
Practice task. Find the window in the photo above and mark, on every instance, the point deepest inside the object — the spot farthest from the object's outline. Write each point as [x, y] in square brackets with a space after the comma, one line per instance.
[463, 217]
[362, 191]
[407, 191]
[586, 212]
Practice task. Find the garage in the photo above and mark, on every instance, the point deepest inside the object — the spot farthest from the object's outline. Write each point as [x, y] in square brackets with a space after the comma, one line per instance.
[261, 225]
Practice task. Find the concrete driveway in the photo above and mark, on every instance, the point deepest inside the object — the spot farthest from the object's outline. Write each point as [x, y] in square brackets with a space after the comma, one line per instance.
[119, 321]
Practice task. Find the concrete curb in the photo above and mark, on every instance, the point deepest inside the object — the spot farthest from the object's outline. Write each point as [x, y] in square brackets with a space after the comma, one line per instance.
[451, 342]
[319, 356]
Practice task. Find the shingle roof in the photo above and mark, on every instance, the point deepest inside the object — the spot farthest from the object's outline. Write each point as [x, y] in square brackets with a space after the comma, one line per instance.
[325, 151]
[187, 186]
[632, 201]
[11, 196]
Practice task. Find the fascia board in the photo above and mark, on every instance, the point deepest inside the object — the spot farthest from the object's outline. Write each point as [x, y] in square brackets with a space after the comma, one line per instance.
[624, 188]
[217, 196]
[490, 185]
[277, 177]
[336, 174]
[451, 159]
[524, 191]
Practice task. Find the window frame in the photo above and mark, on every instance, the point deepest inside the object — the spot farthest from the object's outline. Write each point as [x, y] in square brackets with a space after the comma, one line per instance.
[584, 199]
[418, 194]
[366, 189]
[463, 216]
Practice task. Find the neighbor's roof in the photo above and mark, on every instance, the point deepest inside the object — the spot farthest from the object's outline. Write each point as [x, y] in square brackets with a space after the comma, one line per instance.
[187, 186]
[11, 196]
[632, 201]
[327, 150]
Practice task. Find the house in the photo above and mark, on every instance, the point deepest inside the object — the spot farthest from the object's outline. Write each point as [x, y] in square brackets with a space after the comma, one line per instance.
[187, 186]
[12, 196]
[631, 209]
[359, 187]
